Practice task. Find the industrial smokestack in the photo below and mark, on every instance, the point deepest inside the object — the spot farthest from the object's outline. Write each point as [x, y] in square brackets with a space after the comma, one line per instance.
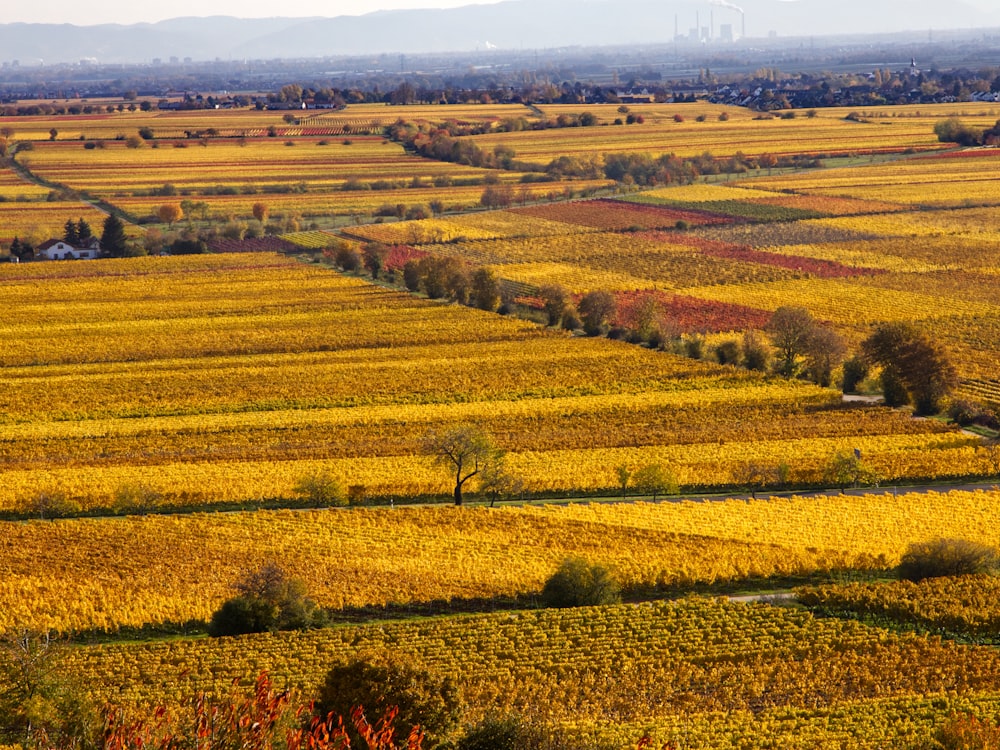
[738, 9]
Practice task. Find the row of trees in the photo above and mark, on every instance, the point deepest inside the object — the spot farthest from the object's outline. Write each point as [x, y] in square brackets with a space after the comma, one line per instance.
[913, 367]
[446, 143]
[953, 130]
[75, 233]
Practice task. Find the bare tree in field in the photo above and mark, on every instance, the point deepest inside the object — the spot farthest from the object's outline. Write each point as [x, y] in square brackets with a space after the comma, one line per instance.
[466, 450]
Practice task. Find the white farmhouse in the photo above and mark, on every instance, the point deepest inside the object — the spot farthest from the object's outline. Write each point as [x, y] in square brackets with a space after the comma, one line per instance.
[61, 250]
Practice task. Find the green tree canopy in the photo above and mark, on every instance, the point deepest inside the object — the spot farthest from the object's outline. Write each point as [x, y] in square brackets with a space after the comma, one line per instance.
[423, 698]
[113, 239]
[267, 600]
[578, 583]
[921, 364]
[71, 235]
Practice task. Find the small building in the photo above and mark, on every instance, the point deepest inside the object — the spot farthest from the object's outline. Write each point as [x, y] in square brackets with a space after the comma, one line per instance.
[62, 250]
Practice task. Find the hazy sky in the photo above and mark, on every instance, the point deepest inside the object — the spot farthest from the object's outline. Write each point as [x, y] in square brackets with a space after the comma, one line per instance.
[89, 12]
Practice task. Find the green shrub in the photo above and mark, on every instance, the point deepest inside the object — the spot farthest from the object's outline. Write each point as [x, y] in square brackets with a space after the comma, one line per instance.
[727, 353]
[320, 489]
[694, 346]
[412, 275]
[240, 615]
[267, 600]
[494, 734]
[754, 351]
[423, 698]
[946, 557]
[347, 258]
[578, 583]
[962, 412]
[511, 732]
[894, 391]
[570, 320]
[855, 371]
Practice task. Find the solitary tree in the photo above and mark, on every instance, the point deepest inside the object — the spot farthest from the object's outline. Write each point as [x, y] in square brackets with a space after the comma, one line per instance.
[320, 489]
[947, 557]
[52, 502]
[136, 499]
[260, 211]
[754, 476]
[374, 255]
[267, 600]
[824, 350]
[655, 479]
[846, 469]
[624, 475]
[497, 481]
[169, 213]
[466, 450]
[113, 240]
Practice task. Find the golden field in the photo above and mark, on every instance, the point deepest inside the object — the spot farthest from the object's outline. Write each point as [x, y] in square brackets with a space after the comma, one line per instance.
[698, 673]
[198, 366]
[149, 392]
[111, 573]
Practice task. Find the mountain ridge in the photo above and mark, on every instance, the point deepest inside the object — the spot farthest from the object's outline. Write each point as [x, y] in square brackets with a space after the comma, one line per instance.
[511, 24]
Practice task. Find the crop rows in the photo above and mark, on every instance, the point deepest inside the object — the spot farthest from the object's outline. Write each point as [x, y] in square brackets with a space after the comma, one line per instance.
[662, 134]
[617, 215]
[706, 673]
[236, 123]
[962, 604]
[310, 240]
[378, 556]
[197, 367]
[943, 180]
[38, 221]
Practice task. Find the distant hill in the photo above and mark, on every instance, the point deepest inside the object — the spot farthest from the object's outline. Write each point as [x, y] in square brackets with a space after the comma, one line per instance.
[514, 24]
